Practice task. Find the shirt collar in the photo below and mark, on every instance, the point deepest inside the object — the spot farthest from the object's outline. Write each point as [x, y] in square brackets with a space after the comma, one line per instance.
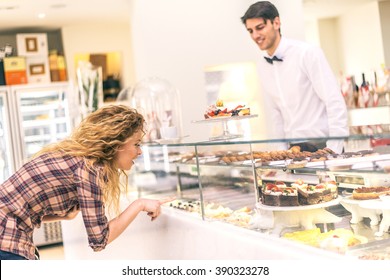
[280, 50]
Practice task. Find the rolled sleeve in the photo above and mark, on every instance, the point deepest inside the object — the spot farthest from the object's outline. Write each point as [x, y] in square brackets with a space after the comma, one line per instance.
[92, 208]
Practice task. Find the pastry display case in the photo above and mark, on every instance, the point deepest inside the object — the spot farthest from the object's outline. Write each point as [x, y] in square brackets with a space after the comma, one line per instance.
[302, 197]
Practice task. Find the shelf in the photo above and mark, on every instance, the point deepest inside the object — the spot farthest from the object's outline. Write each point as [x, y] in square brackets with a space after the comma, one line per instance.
[44, 137]
[41, 107]
[364, 164]
[45, 122]
[369, 116]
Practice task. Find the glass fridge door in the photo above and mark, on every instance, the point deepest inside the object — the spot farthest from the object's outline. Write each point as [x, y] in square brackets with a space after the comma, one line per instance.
[43, 117]
[6, 156]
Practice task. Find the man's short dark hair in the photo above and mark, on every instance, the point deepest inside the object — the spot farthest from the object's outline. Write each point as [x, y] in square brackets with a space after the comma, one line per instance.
[261, 9]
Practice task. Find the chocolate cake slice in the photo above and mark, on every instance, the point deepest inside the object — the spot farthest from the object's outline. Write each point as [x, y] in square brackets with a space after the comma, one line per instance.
[271, 195]
[289, 196]
[308, 195]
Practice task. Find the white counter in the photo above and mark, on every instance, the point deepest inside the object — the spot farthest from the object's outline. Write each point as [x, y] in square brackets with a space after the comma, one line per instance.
[184, 236]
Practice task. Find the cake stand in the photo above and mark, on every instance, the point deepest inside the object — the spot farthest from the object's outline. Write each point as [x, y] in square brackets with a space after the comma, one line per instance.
[305, 216]
[226, 135]
[384, 207]
[358, 212]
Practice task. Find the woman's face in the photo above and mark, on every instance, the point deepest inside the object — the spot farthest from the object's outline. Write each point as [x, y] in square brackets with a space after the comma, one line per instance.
[128, 152]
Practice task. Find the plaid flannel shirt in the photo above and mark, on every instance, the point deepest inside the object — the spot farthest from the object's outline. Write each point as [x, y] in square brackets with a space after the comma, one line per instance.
[49, 185]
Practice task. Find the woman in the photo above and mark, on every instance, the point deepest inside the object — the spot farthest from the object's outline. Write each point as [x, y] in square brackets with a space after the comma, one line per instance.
[80, 173]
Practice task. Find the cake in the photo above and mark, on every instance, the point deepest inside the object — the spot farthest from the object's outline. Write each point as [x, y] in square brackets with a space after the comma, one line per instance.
[289, 196]
[299, 183]
[217, 211]
[327, 195]
[219, 110]
[279, 194]
[338, 240]
[314, 194]
[298, 193]
[364, 193]
[271, 195]
[332, 186]
[240, 217]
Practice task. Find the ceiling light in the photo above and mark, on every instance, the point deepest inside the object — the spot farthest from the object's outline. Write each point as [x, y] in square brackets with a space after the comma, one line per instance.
[41, 15]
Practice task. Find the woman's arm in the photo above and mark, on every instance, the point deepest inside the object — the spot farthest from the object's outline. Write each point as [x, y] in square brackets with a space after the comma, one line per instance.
[120, 223]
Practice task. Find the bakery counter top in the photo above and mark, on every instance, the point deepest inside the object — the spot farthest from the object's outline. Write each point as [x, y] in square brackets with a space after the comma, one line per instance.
[181, 233]
[177, 234]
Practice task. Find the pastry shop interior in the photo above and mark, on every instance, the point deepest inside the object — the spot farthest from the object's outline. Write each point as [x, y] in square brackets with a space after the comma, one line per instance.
[237, 194]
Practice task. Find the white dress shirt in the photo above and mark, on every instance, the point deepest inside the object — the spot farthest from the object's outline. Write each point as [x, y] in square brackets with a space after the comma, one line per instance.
[302, 96]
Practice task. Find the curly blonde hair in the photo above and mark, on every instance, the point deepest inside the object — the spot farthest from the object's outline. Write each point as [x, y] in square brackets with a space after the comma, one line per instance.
[97, 139]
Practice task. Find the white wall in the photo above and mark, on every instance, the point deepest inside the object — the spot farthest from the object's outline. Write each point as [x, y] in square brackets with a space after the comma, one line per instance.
[312, 34]
[356, 41]
[330, 43]
[384, 11]
[100, 38]
[361, 40]
[352, 42]
[177, 39]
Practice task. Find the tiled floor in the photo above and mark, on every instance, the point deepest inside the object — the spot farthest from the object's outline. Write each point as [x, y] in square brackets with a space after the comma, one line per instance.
[53, 252]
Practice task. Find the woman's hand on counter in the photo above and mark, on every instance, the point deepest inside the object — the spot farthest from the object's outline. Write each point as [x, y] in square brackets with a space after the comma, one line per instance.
[153, 207]
[120, 223]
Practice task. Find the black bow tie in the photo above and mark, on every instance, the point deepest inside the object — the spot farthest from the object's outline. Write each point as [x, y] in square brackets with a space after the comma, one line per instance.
[271, 60]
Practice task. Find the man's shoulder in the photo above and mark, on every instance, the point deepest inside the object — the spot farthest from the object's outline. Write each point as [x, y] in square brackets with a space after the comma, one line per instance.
[302, 47]
[299, 43]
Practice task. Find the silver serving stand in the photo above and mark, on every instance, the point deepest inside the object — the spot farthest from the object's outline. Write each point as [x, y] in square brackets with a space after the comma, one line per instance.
[226, 135]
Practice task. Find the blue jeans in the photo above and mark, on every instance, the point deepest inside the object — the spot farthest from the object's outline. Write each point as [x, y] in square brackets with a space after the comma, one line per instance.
[4, 255]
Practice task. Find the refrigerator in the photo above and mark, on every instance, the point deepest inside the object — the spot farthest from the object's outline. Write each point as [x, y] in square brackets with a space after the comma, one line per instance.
[33, 116]
[7, 165]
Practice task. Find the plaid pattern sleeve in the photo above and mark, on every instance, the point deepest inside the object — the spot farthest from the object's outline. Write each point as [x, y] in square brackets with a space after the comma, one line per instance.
[49, 185]
[92, 209]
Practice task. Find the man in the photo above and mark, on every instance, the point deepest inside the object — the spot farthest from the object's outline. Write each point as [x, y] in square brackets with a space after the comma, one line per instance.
[300, 90]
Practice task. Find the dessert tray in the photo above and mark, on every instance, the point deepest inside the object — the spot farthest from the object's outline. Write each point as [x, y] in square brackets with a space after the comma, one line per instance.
[300, 207]
[224, 119]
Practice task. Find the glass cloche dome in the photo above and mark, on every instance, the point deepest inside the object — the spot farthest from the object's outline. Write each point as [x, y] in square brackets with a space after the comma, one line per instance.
[158, 101]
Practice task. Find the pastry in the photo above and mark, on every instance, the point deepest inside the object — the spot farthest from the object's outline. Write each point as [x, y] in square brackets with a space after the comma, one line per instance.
[219, 110]
[271, 195]
[364, 193]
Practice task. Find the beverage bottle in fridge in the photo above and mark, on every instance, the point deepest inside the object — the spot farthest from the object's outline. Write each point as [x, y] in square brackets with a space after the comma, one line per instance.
[355, 93]
[364, 93]
[374, 90]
